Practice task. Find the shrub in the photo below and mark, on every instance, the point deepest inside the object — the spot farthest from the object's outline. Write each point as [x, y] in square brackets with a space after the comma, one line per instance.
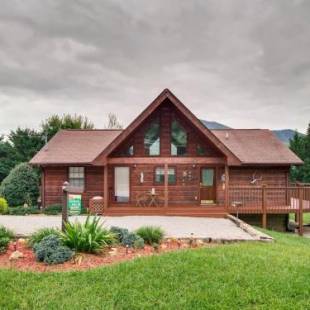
[139, 243]
[124, 236]
[119, 233]
[151, 234]
[21, 186]
[39, 235]
[21, 210]
[3, 206]
[88, 237]
[50, 251]
[5, 236]
[53, 209]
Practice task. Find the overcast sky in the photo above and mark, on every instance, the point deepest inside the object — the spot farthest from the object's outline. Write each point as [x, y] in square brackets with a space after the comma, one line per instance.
[242, 63]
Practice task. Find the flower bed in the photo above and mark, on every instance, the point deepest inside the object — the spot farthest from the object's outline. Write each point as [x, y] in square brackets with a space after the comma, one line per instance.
[84, 261]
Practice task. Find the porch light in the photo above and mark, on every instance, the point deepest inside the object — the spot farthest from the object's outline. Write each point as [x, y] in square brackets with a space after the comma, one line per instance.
[141, 177]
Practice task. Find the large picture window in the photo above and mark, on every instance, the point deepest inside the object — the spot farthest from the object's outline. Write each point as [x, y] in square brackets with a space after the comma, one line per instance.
[160, 175]
[77, 177]
[178, 139]
[152, 139]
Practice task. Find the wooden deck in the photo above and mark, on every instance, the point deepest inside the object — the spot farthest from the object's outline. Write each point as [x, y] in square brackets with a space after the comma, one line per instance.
[242, 200]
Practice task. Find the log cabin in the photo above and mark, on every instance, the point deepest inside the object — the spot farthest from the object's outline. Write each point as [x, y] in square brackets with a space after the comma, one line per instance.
[166, 162]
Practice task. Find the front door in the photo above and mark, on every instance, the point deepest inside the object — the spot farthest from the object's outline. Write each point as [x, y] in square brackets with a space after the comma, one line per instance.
[207, 186]
[121, 184]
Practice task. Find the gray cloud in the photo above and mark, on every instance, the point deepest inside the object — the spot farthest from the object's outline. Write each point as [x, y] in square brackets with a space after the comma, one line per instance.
[243, 63]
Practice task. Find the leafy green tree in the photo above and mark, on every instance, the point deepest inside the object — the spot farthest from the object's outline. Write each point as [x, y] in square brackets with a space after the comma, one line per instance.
[54, 123]
[7, 160]
[26, 143]
[21, 186]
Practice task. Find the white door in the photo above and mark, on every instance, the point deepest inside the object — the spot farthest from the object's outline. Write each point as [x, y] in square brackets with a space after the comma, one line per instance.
[121, 184]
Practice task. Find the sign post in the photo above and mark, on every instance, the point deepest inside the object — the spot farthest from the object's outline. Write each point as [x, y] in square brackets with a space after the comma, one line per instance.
[64, 213]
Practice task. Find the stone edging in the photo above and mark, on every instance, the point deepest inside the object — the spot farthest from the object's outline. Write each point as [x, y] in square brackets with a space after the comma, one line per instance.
[256, 234]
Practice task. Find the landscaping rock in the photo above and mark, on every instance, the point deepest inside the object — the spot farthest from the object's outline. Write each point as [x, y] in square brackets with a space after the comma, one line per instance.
[16, 255]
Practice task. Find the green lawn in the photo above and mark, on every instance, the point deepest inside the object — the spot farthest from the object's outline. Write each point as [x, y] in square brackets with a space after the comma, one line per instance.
[306, 217]
[245, 275]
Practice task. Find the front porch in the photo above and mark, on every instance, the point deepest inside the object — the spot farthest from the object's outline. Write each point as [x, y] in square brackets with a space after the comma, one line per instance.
[186, 186]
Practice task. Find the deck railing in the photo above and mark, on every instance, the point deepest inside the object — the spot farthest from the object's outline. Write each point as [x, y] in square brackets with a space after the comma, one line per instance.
[272, 200]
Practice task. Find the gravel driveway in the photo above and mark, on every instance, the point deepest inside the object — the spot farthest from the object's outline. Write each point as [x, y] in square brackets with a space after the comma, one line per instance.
[174, 226]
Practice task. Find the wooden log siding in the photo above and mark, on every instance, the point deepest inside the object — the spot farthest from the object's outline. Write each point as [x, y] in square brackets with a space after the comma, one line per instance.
[270, 177]
[185, 191]
[166, 113]
[56, 176]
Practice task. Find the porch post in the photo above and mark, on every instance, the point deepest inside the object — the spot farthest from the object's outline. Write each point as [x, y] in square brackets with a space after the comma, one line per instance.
[300, 211]
[226, 187]
[105, 188]
[166, 186]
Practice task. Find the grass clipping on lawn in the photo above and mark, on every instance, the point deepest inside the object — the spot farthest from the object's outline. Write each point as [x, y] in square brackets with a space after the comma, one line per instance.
[244, 275]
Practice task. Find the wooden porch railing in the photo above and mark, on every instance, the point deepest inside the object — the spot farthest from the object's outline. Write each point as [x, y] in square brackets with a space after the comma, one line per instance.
[270, 200]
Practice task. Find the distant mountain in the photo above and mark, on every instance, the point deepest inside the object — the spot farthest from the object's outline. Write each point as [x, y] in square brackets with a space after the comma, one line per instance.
[214, 125]
[284, 134]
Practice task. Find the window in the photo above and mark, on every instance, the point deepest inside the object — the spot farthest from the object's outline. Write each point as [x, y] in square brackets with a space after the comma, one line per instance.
[201, 150]
[129, 151]
[160, 175]
[152, 139]
[178, 139]
[77, 176]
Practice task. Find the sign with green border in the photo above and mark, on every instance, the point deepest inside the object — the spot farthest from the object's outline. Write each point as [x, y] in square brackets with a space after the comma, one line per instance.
[74, 204]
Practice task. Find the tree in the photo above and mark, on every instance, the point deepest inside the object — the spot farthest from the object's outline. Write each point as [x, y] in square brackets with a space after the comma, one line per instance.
[7, 160]
[300, 145]
[113, 122]
[26, 143]
[21, 186]
[54, 123]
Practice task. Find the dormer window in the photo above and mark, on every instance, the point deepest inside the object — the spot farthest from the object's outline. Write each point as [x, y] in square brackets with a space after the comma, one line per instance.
[178, 139]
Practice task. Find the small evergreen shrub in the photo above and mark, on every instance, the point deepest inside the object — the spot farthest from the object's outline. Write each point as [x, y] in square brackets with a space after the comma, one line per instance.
[4, 207]
[124, 236]
[50, 251]
[39, 235]
[151, 234]
[88, 237]
[5, 237]
[53, 209]
[139, 243]
[21, 186]
[119, 233]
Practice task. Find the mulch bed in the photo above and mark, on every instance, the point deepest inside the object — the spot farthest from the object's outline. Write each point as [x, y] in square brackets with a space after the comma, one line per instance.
[83, 261]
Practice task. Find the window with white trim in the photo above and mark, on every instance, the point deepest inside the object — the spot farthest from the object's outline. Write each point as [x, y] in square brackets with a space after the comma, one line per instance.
[77, 177]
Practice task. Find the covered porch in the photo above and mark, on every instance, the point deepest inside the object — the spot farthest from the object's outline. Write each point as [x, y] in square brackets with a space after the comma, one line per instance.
[164, 186]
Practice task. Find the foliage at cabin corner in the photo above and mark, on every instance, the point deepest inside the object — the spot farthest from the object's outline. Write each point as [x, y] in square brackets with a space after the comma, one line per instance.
[300, 145]
[21, 186]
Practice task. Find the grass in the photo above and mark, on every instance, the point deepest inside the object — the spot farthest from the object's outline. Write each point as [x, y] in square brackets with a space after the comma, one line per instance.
[305, 215]
[245, 275]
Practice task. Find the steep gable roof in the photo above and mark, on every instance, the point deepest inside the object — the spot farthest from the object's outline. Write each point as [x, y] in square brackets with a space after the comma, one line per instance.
[167, 94]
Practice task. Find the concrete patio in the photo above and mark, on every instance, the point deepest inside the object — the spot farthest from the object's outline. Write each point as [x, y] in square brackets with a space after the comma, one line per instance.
[174, 226]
